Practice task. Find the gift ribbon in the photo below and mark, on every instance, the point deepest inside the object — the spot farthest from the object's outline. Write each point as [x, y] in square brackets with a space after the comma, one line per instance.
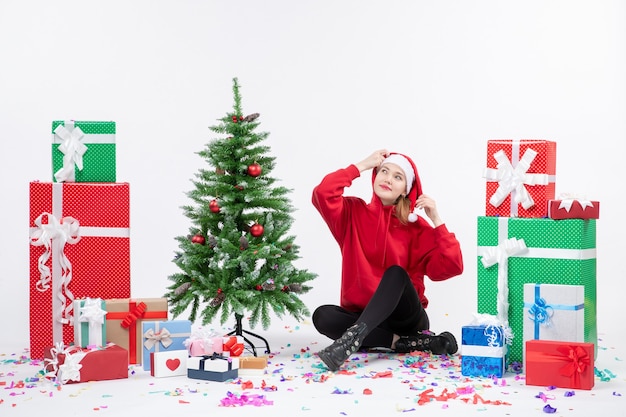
[500, 255]
[69, 370]
[540, 311]
[155, 336]
[204, 358]
[93, 315]
[53, 235]
[513, 177]
[54, 242]
[575, 361]
[567, 200]
[130, 320]
[72, 148]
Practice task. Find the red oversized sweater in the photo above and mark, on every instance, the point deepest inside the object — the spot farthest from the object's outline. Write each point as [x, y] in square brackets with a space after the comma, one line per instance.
[372, 239]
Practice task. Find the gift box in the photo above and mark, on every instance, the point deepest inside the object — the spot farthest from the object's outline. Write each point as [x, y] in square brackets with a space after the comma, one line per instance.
[73, 364]
[89, 322]
[554, 312]
[216, 367]
[168, 363]
[559, 252]
[520, 177]
[233, 345]
[163, 336]
[483, 351]
[560, 364]
[83, 151]
[252, 365]
[124, 322]
[79, 247]
[571, 208]
[201, 346]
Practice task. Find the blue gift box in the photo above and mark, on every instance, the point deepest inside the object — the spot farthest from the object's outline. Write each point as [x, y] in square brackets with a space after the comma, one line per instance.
[160, 336]
[483, 350]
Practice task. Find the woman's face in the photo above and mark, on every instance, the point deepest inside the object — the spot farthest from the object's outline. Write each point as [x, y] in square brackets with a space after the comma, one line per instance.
[390, 183]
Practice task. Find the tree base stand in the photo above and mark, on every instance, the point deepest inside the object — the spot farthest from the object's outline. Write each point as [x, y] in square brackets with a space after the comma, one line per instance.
[239, 331]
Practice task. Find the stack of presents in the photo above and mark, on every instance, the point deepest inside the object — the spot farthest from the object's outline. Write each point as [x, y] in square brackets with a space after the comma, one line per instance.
[536, 271]
[83, 322]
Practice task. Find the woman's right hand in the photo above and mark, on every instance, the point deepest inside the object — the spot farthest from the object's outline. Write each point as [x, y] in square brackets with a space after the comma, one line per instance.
[373, 161]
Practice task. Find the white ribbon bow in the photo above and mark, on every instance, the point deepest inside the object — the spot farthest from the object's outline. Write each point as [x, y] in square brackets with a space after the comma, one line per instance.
[64, 231]
[73, 150]
[514, 179]
[568, 199]
[92, 313]
[153, 338]
[70, 369]
[500, 254]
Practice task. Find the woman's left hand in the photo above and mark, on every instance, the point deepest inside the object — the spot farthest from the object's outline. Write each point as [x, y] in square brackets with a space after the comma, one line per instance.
[430, 208]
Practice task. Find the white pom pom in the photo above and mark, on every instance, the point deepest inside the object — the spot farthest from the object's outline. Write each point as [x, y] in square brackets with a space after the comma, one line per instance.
[412, 217]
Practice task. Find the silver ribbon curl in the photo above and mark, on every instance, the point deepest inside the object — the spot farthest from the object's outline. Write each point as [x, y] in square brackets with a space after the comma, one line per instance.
[58, 232]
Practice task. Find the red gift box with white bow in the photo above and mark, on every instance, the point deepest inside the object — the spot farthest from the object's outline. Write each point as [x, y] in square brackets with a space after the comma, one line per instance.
[573, 208]
[560, 364]
[521, 177]
[79, 247]
[71, 364]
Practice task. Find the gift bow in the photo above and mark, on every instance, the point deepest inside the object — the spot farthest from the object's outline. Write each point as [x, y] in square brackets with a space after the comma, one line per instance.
[67, 230]
[92, 313]
[514, 179]
[577, 361]
[540, 312]
[500, 255]
[70, 369]
[152, 338]
[567, 200]
[73, 150]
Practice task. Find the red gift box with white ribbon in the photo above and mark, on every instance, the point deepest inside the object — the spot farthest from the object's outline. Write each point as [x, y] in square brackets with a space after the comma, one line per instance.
[79, 247]
[521, 177]
[571, 207]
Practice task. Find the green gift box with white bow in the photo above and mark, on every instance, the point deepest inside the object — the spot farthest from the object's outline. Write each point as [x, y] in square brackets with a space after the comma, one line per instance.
[83, 151]
[517, 251]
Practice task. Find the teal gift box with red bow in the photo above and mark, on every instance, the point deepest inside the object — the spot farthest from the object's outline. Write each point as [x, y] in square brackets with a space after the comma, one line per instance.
[560, 364]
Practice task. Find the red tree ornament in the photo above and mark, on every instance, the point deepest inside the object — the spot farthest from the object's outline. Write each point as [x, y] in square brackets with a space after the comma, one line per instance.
[198, 239]
[254, 170]
[214, 206]
[257, 230]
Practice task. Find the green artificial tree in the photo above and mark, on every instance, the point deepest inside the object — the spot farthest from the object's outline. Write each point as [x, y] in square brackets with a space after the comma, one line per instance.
[238, 257]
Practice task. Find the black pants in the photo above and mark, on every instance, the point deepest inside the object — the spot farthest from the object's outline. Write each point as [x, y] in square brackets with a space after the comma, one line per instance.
[394, 308]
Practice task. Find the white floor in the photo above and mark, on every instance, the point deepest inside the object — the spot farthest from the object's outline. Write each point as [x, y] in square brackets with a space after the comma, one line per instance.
[295, 383]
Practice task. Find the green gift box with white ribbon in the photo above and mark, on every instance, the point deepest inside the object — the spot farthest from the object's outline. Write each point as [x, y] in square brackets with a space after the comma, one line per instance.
[83, 151]
[517, 251]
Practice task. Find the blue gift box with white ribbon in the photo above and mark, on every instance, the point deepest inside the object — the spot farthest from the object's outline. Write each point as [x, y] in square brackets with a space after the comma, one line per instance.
[483, 350]
[554, 312]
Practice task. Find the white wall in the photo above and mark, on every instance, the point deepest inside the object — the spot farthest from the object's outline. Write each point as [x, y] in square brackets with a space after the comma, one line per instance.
[333, 81]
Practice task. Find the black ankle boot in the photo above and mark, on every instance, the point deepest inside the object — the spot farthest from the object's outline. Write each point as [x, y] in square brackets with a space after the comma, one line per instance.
[443, 344]
[340, 350]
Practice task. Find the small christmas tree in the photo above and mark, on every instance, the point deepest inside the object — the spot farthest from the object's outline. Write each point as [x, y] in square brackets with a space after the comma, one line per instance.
[238, 255]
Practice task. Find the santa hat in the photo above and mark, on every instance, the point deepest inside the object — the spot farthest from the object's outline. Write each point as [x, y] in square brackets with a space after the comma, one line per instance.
[413, 184]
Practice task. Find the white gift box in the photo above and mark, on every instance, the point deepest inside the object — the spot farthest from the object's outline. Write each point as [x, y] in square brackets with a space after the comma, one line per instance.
[168, 363]
[554, 312]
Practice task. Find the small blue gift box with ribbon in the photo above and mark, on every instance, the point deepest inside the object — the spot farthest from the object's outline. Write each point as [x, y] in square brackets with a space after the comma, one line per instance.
[160, 336]
[214, 367]
[554, 312]
[483, 350]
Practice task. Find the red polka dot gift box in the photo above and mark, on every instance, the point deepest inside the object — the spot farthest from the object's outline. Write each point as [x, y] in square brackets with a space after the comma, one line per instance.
[79, 248]
[83, 151]
[520, 177]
